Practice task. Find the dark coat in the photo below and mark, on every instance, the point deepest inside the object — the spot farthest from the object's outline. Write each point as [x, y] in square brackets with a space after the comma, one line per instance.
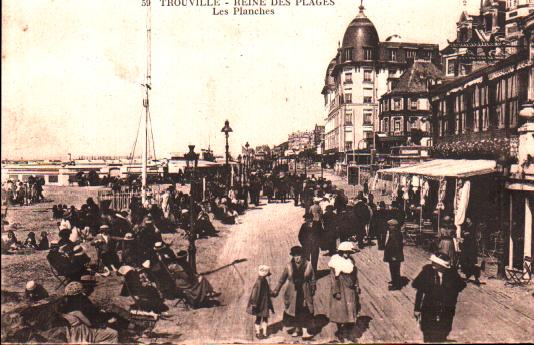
[259, 303]
[301, 280]
[437, 302]
[394, 247]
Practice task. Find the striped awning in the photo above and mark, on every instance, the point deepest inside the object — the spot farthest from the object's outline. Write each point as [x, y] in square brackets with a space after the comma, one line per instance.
[439, 168]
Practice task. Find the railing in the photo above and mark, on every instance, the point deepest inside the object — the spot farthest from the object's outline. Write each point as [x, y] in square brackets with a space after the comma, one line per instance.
[121, 200]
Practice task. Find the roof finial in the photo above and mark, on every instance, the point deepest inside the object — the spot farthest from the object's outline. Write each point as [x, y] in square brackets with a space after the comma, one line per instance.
[361, 6]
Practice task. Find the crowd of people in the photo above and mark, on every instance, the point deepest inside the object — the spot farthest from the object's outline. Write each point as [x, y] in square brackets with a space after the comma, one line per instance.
[24, 193]
[129, 244]
[342, 227]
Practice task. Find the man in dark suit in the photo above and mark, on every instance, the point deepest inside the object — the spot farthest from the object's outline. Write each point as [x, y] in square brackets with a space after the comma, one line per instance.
[362, 217]
[393, 253]
[438, 287]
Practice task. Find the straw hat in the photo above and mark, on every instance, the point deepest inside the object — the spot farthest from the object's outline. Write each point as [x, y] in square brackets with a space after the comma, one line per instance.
[128, 236]
[31, 285]
[123, 270]
[78, 250]
[346, 247]
[158, 245]
[441, 259]
[73, 288]
[264, 271]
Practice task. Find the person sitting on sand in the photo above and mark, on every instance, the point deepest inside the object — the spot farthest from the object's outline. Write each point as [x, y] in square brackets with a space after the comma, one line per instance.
[30, 241]
[34, 292]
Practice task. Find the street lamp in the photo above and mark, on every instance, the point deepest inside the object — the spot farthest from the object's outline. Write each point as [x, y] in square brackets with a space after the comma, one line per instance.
[227, 130]
[247, 160]
[192, 157]
[239, 158]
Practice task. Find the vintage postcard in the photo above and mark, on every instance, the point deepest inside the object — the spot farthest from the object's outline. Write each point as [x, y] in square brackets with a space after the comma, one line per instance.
[267, 171]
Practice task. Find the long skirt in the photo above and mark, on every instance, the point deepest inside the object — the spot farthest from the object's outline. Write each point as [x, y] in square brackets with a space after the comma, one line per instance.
[82, 334]
[303, 317]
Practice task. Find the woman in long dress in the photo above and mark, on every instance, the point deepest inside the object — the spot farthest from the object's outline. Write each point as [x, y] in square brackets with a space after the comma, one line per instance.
[345, 291]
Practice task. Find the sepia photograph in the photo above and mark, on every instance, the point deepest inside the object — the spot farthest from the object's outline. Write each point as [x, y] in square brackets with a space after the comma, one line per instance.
[267, 171]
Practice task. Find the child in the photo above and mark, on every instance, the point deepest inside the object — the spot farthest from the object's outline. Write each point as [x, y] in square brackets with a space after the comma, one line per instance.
[260, 302]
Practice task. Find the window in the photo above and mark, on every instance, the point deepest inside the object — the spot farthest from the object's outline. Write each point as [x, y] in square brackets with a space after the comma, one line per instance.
[367, 99]
[451, 66]
[53, 179]
[397, 125]
[413, 104]
[392, 54]
[411, 53]
[367, 54]
[348, 78]
[348, 98]
[367, 76]
[397, 104]
[348, 118]
[348, 145]
[386, 125]
[392, 72]
[348, 54]
[367, 117]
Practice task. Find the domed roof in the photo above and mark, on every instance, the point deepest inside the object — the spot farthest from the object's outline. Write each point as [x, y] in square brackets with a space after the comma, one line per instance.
[360, 33]
[328, 79]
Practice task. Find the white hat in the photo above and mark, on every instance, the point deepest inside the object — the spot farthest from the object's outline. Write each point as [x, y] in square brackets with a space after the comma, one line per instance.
[78, 250]
[128, 236]
[264, 271]
[158, 245]
[31, 285]
[317, 199]
[345, 247]
[442, 260]
[146, 264]
[123, 270]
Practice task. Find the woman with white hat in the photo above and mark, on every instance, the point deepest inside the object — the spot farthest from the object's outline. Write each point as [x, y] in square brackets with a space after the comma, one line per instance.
[345, 290]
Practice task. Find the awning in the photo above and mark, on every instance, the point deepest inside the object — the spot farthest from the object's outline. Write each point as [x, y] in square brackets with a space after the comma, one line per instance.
[446, 168]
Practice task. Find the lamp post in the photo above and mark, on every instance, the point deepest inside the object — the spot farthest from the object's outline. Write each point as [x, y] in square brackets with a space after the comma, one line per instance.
[227, 130]
[192, 157]
[239, 158]
[247, 160]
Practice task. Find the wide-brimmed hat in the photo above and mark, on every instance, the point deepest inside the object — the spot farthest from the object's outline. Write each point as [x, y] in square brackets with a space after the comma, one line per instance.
[264, 271]
[346, 247]
[296, 251]
[104, 227]
[78, 250]
[317, 200]
[182, 254]
[441, 259]
[158, 245]
[123, 270]
[393, 222]
[73, 288]
[128, 236]
[31, 285]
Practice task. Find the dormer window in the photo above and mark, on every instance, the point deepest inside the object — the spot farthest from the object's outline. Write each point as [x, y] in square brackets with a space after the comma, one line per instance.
[367, 54]
[392, 54]
[348, 54]
[411, 53]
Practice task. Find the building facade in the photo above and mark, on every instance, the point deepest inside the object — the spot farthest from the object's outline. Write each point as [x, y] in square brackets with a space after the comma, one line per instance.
[494, 33]
[363, 69]
[404, 112]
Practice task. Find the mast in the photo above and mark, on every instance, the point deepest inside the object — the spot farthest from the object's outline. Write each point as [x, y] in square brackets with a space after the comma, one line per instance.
[147, 85]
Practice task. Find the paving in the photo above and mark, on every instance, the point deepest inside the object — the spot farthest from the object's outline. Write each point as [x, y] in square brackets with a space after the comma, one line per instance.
[491, 312]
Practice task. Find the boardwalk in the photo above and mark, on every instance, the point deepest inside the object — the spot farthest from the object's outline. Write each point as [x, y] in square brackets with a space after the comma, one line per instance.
[489, 313]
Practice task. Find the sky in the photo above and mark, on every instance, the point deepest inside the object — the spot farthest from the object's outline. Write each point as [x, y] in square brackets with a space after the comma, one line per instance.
[72, 71]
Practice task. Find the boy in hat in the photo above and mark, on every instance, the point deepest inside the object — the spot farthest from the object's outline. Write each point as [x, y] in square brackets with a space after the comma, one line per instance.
[260, 303]
[438, 287]
[310, 239]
